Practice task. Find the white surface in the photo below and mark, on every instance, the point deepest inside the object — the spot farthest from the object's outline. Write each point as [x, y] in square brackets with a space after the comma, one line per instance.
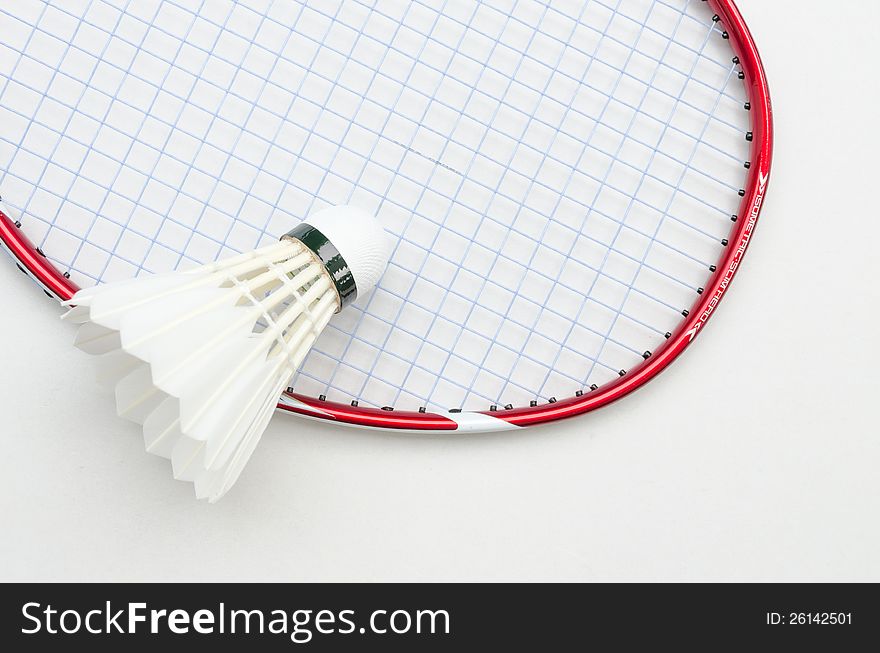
[754, 458]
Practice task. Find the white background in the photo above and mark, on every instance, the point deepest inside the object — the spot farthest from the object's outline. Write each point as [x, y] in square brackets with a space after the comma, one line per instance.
[756, 457]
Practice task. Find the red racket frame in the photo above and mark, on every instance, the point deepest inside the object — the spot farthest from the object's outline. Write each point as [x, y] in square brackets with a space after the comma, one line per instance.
[32, 261]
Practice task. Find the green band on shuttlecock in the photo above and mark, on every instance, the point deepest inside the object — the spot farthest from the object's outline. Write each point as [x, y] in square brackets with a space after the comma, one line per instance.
[331, 258]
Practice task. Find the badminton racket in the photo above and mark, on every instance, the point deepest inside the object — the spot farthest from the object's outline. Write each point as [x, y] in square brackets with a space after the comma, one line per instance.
[570, 186]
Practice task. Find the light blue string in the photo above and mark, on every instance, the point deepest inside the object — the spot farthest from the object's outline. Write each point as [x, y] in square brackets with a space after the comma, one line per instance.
[326, 372]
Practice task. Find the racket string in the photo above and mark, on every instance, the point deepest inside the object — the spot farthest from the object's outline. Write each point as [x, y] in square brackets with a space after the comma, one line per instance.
[222, 242]
[399, 321]
[607, 336]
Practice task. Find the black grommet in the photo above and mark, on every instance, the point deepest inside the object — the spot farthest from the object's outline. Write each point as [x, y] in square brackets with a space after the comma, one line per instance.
[742, 192]
[734, 218]
[579, 393]
[685, 312]
[533, 403]
[646, 355]
[552, 400]
[700, 291]
[621, 373]
[354, 403]
[422, 409]
[455, 410]
[747, 165]
[493, 408]
[594, 387]
[750, 136]
[388, 408]
[747, 106]
[712, 268]
[322, 397]
[508, 406]
[667, 335]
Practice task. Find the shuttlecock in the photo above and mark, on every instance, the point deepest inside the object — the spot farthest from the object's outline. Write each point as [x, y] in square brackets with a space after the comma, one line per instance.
[200, 357]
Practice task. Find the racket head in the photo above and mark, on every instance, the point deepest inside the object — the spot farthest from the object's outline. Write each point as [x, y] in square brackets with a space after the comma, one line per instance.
[726, 32]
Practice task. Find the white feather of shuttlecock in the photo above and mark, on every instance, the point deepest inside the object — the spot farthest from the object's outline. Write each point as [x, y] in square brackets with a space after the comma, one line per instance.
[200, 357]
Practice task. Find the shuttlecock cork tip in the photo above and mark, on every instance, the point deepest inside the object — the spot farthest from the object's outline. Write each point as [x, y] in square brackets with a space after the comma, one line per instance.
[360, 239]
